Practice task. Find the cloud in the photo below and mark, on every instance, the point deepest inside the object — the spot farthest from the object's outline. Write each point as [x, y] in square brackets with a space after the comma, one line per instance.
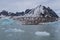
[21, 5]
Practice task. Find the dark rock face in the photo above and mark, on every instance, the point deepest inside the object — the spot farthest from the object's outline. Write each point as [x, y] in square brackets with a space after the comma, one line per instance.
[50, 12]
[4, 13]
[27, 11]
[19, 13]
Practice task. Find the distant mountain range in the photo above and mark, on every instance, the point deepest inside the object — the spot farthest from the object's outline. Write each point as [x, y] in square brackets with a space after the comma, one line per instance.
[39, 11]
[6, 13]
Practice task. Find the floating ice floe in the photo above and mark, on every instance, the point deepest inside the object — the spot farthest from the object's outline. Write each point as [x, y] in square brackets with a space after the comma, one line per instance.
[6, 21]
[38, 33]
[14, 30]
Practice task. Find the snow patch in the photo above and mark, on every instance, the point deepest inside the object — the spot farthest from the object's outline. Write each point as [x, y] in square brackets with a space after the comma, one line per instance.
[35, 12]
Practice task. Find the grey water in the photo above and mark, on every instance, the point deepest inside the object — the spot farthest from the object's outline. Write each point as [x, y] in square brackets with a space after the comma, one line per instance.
[11, 30]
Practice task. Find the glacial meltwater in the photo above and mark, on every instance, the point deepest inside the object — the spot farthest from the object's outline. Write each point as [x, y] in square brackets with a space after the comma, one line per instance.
[11, 30]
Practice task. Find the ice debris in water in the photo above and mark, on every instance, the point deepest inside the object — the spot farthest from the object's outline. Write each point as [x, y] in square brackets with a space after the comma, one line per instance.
[6, 21]
[38, 33]
[14, 30]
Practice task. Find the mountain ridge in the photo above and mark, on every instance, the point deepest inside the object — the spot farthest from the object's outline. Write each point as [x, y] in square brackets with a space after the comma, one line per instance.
[41, 11]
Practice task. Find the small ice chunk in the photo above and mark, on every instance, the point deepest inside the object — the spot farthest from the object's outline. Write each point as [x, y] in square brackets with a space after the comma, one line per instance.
[38, 33]
[8, 30]
[14, 30]
[17, 30]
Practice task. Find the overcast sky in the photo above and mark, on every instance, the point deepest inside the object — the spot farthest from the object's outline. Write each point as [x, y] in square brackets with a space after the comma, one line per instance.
[21, 5]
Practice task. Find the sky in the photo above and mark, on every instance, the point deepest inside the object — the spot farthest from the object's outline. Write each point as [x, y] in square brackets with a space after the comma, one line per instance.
[22, 5]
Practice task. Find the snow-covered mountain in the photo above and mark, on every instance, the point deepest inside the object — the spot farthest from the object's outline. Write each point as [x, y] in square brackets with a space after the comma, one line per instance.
[41, 11]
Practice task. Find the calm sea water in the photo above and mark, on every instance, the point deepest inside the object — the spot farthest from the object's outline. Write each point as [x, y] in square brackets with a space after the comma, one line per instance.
[11, 30]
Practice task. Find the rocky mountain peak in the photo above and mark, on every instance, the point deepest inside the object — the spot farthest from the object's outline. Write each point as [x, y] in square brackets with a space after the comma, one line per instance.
[41, 11]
